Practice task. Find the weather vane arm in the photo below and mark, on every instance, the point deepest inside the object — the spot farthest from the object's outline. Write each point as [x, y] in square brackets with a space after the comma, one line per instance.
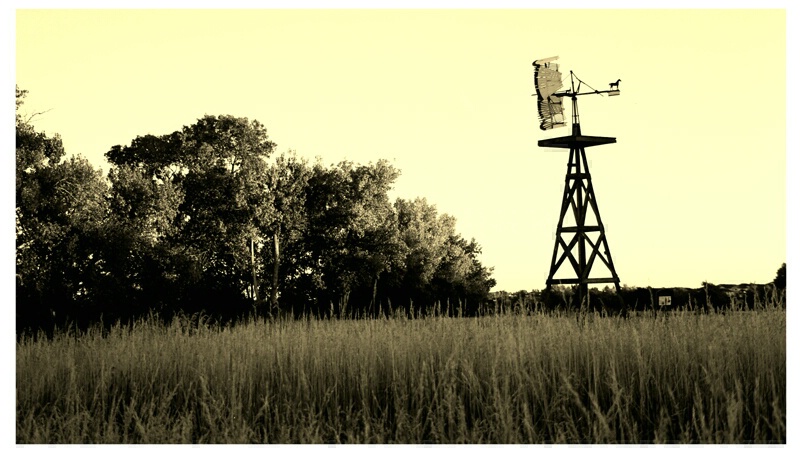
[569, 93]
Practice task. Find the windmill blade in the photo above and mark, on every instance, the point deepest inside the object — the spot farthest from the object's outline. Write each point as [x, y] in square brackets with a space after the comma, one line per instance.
[551, 112]
[548, 80]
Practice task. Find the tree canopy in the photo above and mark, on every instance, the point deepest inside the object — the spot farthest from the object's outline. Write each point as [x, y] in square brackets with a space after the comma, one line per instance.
[209, 218]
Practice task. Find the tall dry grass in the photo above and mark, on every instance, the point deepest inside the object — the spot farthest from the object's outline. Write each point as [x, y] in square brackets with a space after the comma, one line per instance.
[682, 377]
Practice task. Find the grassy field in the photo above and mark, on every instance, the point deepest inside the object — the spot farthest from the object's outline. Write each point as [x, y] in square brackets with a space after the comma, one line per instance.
[683, 377]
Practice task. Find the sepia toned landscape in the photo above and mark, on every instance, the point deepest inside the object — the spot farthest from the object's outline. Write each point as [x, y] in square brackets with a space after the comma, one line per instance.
[287, 226]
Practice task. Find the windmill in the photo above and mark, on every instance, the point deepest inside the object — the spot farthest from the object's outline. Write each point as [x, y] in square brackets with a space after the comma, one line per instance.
[580, 241]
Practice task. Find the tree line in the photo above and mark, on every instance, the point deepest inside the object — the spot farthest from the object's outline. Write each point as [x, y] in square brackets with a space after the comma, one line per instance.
[706, 298]
[211, 219]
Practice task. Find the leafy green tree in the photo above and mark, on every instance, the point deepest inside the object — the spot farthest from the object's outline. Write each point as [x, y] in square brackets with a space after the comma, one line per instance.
[352, 232]
[138, 255]
[59, 214]
[375, 240]
[426, 235]
[439, 265]
[779, 280]
[35, 150]
[287, 182]
[462, 276]
[219, 164]
[201, 219]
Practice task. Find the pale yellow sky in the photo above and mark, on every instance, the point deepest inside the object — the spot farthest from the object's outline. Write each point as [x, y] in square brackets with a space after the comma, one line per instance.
[694, 189]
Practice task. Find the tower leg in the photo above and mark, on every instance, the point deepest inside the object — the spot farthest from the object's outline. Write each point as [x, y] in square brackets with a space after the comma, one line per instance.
[584, 243]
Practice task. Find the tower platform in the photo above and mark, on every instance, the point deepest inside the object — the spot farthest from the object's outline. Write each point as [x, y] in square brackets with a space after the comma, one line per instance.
[575, 141]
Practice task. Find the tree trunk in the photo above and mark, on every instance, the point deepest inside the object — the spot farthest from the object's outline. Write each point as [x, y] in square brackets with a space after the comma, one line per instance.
[254, 289]
[342, 309]
[274, 291]
[373, 298]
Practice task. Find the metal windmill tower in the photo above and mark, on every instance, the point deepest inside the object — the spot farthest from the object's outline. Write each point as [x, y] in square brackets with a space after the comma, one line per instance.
[580, 241]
